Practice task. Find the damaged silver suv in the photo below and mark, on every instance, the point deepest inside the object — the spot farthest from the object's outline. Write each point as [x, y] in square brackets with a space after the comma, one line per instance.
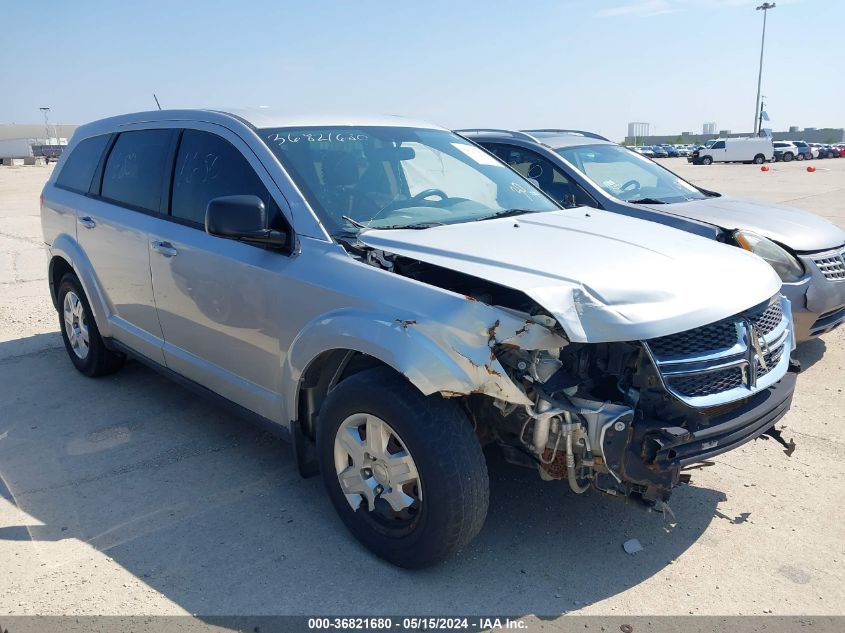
[395, 298]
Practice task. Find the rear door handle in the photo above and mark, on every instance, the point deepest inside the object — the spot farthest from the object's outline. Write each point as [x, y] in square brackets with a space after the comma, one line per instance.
[87, 221]
[165, 248]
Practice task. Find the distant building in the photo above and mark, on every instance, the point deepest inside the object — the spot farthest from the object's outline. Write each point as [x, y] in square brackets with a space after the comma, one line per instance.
[27, 148]
[638, 129]
[709, 128]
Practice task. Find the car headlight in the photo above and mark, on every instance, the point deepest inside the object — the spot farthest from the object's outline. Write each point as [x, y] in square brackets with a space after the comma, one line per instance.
[785, 264]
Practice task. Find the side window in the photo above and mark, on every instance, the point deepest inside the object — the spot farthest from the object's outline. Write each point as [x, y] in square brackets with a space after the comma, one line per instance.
[501, 151]
[135, 168]
[207, 167]
[534, 166]
[718, 145]
[80, 165]
[550, 179]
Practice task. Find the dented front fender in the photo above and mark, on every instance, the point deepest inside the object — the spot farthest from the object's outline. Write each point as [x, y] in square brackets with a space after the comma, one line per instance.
[451, 354]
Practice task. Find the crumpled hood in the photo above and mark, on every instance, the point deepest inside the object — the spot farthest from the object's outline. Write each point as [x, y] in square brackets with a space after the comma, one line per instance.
[603, 276]
[799, 230]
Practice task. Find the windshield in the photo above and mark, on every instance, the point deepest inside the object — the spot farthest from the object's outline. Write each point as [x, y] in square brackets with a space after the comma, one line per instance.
[627, 175]
[393, 177]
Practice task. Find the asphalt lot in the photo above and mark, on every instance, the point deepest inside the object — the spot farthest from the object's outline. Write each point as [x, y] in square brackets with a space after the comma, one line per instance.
[129, 495]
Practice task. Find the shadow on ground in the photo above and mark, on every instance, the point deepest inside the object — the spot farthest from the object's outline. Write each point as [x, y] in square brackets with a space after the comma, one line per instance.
[809, 352]
[211, 512]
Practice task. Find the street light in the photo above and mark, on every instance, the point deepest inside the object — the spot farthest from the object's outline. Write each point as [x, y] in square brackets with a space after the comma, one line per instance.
[46, 126]
[757, 115]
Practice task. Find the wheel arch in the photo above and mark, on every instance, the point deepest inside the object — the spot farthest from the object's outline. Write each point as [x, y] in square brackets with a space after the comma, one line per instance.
[57, 269]
[67, 256]
[435, 357]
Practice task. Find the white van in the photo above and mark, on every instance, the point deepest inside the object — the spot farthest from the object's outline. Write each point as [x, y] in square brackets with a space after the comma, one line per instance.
[735, 150]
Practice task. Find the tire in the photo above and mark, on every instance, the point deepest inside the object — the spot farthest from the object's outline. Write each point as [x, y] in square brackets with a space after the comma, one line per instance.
[706, 161]
[451, 491]
[799, 156]
[788, 156]
[76, 322]
[759, 159]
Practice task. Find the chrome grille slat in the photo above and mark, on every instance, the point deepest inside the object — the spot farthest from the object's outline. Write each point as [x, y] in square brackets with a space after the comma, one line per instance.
[704, 367]
[831, 264]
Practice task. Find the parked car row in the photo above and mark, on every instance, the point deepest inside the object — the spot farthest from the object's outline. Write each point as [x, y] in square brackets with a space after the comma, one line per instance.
[663, 150]
[394, 296]
[781, 151]
[800, 150]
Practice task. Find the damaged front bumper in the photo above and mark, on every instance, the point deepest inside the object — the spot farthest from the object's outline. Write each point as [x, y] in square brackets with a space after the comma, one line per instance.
[650, 456]
[818, 301]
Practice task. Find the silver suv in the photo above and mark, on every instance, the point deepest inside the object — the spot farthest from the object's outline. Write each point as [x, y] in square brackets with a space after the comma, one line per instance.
[394, 298]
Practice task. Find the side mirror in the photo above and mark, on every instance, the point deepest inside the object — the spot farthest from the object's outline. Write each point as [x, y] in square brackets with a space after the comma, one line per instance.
[242, 218]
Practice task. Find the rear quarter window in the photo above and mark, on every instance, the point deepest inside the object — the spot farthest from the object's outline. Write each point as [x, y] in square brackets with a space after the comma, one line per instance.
[135, 168]
[80, 165]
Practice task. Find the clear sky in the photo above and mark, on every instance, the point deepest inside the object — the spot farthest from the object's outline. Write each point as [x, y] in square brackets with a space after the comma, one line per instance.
[591, 64]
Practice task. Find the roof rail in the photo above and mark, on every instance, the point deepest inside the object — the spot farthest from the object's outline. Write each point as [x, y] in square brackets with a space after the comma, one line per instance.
[579, 132]
[511, 133]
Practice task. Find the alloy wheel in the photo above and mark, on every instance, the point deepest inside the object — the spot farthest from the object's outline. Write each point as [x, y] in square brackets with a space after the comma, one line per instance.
[375, 468]
[76, 325]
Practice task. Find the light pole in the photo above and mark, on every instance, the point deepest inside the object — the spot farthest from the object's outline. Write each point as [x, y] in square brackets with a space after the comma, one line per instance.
[765, 9]
[46, 126]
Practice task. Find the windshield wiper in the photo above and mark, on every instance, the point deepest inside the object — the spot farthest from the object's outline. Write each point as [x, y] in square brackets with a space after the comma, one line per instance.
[413, 225]
[504, 213]
[647, 201]
[354, 223]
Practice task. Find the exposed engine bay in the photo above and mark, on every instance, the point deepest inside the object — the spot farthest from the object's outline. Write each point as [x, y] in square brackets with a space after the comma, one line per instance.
[601, 414]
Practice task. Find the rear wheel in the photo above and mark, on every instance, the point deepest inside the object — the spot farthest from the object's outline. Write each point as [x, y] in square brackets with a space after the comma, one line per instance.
[82, 339]
[799, 157]
[405, 472]
[759, 159]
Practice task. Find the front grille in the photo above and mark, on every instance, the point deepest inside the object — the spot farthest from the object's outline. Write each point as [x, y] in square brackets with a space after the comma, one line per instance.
[772, 359]
[831, 264]
[720, 363]
[697, 385]
[716, 336]
[768, 319]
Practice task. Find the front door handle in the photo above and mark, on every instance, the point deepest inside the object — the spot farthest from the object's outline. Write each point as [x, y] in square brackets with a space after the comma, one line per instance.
[165, 248]
[87, 221]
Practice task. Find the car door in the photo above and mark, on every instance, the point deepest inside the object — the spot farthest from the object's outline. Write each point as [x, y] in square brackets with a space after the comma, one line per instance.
[113, 230]
[719, 151]
[218, 300]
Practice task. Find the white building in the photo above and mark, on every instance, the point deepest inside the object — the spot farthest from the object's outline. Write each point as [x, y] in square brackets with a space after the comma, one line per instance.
[638, 129]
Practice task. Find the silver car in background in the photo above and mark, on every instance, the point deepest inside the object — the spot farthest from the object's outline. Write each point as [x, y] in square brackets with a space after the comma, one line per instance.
[393, 298]
[576, 167]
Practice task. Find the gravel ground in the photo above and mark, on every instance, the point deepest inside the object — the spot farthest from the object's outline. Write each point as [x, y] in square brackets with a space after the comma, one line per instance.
[129, 495]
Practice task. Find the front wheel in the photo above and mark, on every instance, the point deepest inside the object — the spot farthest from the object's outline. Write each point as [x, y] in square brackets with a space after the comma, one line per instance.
[706, 161]
[405, 472]
[787, 157]
[759, 159]
[799, 157]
